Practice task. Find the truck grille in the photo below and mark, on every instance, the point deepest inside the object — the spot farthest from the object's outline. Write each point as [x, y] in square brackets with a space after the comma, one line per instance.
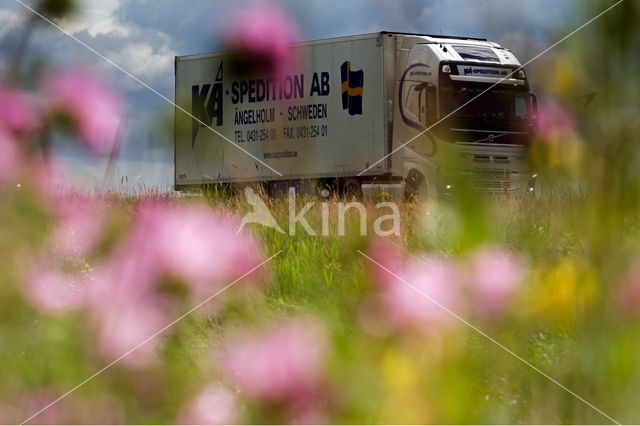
[489, 159]
[496, 186]
[495, 181]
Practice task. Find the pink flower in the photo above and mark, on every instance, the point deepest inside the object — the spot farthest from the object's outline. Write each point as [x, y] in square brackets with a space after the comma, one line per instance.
[26, 405]
[129, 298]
[11, 157]
[197, 244]
[99, 409]
[74, 409]
[388, 257]
[260, 35]
[132, 327]
[493, 277]
[18, 113]
[53, 291]
[423, 303]
[49, 178]
[627, 296]
[283, 365]
[555, 122]
[80, 225]
[126, 307]
[95, 110]
[214, 405]
[417, 293]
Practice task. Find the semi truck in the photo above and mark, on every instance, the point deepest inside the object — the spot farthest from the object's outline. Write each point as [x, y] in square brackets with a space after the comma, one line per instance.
[406, 113]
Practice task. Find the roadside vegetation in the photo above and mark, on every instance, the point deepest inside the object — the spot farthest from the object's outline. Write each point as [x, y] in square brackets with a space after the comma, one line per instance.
[155, 308]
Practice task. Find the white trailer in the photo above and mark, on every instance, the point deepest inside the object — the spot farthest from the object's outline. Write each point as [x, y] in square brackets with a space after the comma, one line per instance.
[343, 115]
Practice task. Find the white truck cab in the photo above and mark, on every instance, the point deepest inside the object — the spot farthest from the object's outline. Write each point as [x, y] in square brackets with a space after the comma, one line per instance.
[464, 104]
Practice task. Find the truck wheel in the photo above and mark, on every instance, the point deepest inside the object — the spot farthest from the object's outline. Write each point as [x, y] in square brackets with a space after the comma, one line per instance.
[351, 188]
[415, 186]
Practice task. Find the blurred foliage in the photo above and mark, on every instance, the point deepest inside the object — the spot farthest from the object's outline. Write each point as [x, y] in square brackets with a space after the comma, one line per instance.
[580, 235]
[56, 8]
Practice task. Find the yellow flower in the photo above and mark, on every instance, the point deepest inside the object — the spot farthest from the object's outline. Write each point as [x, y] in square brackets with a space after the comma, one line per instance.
[398, 370]
[560, 75]
[565, 290]
[405, 403]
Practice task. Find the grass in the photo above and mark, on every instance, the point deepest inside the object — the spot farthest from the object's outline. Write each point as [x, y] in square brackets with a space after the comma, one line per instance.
[326, 276]
[399, 378]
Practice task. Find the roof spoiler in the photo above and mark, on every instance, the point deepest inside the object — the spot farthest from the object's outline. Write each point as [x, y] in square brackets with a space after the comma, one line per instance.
[435, 36]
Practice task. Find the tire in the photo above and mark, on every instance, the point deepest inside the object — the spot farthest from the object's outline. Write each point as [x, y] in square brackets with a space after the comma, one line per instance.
[415, 186]
[351, 189]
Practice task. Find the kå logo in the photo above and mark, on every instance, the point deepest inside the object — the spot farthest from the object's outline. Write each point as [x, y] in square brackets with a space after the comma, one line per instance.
[206, 104]
[352, 88]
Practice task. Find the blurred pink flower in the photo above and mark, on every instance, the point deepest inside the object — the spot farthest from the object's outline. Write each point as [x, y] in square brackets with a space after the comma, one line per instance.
[23, 406]
[11, 157]
[98, 410]
[95, 110]
[52, 291]
[18, 113]
[389, 257]
[493, 276]
[128, 297]
[197, 244]
[432, 280]
[417, 292]
[283, 365]
[627, 296]
[49, 178]
[214, 405]
[81, 220]
[126, 326]
[126, 307]
[260, 35]
[556, 123]
[74, 409]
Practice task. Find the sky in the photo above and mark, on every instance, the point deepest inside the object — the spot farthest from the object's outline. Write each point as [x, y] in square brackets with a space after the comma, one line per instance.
[144, 36]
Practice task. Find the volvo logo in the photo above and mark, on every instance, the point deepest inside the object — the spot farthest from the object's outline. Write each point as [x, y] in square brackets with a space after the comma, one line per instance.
[491, 138]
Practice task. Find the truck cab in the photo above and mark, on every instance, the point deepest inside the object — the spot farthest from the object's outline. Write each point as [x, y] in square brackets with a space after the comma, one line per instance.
[463, 114]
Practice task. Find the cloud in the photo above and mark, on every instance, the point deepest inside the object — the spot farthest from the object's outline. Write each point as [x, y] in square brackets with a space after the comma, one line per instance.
[8, 21]
[187, 25]
[108, 26]
[148, 62]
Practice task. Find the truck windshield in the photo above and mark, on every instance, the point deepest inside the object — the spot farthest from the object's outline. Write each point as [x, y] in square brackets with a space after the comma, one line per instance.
[497, 106]
[502, 115]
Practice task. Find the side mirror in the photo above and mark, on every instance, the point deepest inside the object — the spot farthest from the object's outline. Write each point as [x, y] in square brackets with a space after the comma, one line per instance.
[432, 96]
[422, 86]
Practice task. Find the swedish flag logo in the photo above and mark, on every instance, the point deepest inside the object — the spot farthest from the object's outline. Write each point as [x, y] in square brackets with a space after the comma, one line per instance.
[352, 88]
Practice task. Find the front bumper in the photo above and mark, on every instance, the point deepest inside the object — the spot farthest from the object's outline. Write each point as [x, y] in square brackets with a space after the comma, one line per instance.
[491, 182]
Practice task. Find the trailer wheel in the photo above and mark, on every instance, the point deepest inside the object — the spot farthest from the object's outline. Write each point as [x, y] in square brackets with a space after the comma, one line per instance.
[415, 186]
[351, 188]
